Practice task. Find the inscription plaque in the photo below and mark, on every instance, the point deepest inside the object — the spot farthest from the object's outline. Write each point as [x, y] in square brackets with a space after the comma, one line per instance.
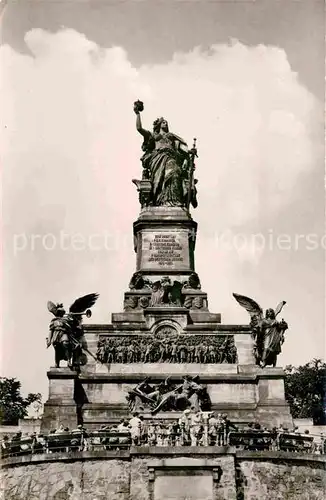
[195, 486]
[165, 250]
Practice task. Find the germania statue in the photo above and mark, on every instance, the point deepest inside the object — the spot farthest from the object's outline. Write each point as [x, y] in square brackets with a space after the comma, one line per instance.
[267, 332]
[67, 333]
[167, 164]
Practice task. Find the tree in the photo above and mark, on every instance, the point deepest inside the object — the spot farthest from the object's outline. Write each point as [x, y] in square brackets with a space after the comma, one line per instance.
[305, 390]
[13, 405]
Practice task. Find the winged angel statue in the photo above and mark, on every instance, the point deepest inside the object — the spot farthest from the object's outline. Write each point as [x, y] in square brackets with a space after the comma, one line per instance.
[67, 333]
[268, 333]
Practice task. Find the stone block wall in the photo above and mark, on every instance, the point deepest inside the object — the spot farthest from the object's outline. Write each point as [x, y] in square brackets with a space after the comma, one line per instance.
[282, 477]
[165, 473]
[62, 480]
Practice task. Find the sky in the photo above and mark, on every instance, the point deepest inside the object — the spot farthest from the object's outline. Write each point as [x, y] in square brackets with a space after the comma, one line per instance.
[244, 77]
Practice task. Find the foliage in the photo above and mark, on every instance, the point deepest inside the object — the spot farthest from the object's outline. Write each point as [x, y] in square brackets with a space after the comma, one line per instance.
[305, 390]
[13, 405]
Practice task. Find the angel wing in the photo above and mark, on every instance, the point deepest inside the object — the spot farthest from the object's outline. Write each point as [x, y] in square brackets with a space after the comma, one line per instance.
[279, 308]
[250, 306]
[83, 303]
[52, 307]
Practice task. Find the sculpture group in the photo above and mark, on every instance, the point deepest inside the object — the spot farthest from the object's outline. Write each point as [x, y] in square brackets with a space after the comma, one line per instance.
[267, 332]
[168, 348]
[67, 333]
[166, 396]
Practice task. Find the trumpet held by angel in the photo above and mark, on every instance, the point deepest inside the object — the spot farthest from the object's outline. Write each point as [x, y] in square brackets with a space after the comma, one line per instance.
[66, 330]
[267, 331]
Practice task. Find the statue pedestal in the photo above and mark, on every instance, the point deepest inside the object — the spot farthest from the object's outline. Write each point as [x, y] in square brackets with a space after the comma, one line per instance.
[60, 408]
[165, 240]
[272, 406]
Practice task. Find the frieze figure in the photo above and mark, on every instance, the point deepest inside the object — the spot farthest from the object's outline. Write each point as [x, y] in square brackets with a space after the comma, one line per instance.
[167, 164]
[67, 333]
[267, 332]
[148, 356]
[227, 352]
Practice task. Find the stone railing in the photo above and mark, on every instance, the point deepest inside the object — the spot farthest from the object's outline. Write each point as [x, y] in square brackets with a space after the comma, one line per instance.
[106, 440]
[274, 441]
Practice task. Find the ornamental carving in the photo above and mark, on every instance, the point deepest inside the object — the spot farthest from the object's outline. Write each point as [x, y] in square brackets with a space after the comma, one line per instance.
[165, 292]
[165, 347]
[131, 303]
[169, 296]
[165, 331]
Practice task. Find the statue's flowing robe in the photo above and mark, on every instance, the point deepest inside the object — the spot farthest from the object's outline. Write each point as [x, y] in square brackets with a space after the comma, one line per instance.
[164, 163]
[60, 329]
[272, 340]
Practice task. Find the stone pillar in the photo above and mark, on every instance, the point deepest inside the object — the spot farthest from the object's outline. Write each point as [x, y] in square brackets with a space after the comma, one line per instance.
[272, 408]
[60, 408]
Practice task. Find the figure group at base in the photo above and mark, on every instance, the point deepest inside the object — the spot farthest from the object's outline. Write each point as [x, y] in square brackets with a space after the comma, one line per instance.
[167, 396]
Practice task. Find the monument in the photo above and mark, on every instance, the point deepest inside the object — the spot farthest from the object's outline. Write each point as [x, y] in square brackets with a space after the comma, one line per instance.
[166, 402]
[165, 352]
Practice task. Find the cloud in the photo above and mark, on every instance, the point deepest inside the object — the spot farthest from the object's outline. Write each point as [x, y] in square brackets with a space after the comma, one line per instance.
[70, 150]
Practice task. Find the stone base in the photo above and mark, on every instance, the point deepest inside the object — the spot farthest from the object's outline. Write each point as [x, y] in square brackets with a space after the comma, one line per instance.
[60, 408]
[244, 393]
[59, 414]
[274, 415]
